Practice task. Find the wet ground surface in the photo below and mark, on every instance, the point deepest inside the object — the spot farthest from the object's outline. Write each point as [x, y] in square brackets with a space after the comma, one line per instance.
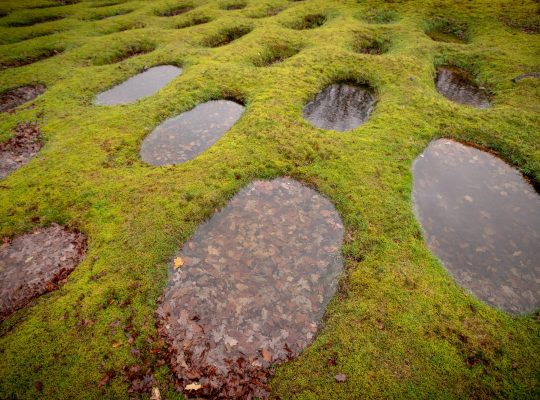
[481, 218]
[457, 85]
[340, 107]
[15, 97]
[141, 85]
[36, 263]
[18, 150]
[250, 288]
[187, 135]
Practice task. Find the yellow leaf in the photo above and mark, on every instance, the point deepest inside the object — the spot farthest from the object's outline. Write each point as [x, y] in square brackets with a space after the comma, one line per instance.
[193, 386]
[178, 262]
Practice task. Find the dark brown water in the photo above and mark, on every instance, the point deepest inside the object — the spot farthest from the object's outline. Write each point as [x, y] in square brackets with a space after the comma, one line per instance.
[253, 287]
[36, 263]
[340, 107]
[457, 85]
[141, 85]
[482, 220]
[185, 136]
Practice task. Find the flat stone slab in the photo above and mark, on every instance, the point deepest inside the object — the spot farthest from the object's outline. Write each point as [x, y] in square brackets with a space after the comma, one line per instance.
[340, 107]
[481, 218]
[250, 288]
[36, 263]
[457, 85]
[187, 135]
[15, 97]
[20, 149]
[141, 85]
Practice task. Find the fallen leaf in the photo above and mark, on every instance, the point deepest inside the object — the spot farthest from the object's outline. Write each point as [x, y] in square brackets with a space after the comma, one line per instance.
[340, 377]
[267, 355]
[155, 394]
[193, 386]
[178, 262]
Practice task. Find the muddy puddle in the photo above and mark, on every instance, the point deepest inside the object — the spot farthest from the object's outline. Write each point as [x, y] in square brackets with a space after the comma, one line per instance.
[458, 85]
[36, 263]
[250, 288]
[340, 107]
[185, 136]
[141, 85]
[20, 149]
[481, 218]
[15, 97]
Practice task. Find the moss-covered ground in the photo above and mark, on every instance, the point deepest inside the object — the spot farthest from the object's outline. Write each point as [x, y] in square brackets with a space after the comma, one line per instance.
[399, 326]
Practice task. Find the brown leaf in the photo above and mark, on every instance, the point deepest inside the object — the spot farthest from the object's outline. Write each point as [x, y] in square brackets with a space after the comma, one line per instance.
[193, 386]
[267, 355]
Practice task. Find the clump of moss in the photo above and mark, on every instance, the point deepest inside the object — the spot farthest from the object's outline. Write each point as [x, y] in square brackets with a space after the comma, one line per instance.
[448, 30]
[309, 21]
[226, 36]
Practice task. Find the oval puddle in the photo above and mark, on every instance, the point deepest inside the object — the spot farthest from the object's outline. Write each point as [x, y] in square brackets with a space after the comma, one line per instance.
[141, 85]
[253, 286]
[18, 96]
[340, 107]
[481, 218]
[20, 149]
[457, 85]
[36, 263]
[185, 136]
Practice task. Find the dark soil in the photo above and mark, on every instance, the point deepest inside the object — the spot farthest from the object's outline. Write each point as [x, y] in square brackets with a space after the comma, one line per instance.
[36, 263]
[15, 97]
[250, 288]
[18, 150]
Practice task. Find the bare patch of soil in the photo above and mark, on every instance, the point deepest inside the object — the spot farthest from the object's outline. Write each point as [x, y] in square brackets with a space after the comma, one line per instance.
[15, 97]
[18, 150]
[36, 263]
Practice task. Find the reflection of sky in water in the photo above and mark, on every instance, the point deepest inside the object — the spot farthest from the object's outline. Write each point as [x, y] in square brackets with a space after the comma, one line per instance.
[185, 136]
[340, 107]
[257, 276]
[482, 219]
[453, 84]
[141, 85]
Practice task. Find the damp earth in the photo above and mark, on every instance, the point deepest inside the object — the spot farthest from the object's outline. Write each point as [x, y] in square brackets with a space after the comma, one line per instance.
[185, 136]
[15, 97]
[340, 107]
[250, 287]
[481, 218]
[20, 149]
[457, 85]
[141, 85]
[36, 263]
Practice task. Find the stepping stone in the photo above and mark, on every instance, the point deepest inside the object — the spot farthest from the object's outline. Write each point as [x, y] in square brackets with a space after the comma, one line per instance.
[458, 86]
[481, 218]
[139, 86]
[340, 107]
[250, 288]
[187, 135]
[20, 149]
[36, 263]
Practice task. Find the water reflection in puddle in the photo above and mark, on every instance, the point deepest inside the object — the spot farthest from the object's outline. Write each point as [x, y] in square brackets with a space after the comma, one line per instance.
[142, 85]
[340, 107]
[36, 263]
[482, 219]
[185, 136]
[253, 287]
[457, 85]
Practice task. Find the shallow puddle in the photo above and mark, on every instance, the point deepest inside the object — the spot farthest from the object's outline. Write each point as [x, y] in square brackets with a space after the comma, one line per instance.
[481, 218]
[15, 97]
[252, 288]
[457, 85]
[18, 150]
[36, 263]
[340, 107]
[187, 135]
[142, 85]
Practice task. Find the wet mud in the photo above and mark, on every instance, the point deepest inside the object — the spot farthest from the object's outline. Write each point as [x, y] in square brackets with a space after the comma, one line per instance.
[458, 86]
[20, 149]
[15, 97]
[340, 107]
[36, 263]
[250, 288]
[481, 218]
[185, 136]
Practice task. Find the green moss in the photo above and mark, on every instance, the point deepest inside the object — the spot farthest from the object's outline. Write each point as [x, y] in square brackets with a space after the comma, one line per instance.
[399, 326]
